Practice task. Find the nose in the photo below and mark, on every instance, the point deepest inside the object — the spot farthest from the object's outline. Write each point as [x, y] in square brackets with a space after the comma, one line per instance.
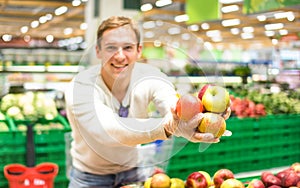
[120, 54]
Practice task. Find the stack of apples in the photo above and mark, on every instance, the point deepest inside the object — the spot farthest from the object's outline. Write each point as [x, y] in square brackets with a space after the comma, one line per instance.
[213, 101]
[223, 178]
[162, 180]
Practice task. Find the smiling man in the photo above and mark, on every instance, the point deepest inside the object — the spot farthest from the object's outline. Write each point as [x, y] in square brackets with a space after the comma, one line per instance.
[107, 109]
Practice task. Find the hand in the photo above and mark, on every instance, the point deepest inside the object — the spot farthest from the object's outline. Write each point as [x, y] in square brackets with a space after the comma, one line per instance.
[188, 129]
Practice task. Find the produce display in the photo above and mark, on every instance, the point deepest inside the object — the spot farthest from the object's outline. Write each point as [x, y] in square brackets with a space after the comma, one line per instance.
[283, 102]
[28, 106]
[225, 178]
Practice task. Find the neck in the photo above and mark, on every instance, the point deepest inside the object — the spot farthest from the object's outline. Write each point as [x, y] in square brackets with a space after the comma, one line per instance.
[117, 86]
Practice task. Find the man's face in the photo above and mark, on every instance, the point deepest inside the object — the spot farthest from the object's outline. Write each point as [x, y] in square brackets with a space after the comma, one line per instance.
[118, 51]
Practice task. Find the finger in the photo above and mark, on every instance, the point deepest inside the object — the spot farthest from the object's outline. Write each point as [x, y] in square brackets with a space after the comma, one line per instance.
[227, 133]
[195, 121]
[227, 113]
[205, 137]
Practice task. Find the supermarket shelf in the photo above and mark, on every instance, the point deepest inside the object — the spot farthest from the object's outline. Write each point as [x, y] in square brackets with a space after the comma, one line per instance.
[207, 79]
[43, 69]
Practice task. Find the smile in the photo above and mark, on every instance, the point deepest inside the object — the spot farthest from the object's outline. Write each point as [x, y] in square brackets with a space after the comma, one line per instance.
[119, 66]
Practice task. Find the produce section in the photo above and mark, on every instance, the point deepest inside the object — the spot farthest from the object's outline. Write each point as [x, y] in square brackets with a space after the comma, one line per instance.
[255, 80]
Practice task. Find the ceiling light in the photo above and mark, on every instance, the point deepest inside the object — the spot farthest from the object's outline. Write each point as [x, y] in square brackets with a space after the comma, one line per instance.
[34, 24]
[76, 3]
[173, 30]
[61, 10]
[217, 39]
[283, 32]
[193, 27]
[49, 16]
[181, 18]
[248, 29]
[205, 26]
[235, 31]
[269, 33]
[146, 7]
[230, 8]
[149, 25]
[6, 37]
[68, 31]
[185, 36]
[83, 26]
[261, 18]
[247, 35]
[161, 3]
[24, 29]
[43, 19]
[274, 41]
[49, 38]
[274, 26]
[149, 34]
[281, 15]
[157, 43]
[230, 22]
[213, 33]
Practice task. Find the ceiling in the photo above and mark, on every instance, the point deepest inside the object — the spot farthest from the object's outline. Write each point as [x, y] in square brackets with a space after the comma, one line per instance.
[17, 13]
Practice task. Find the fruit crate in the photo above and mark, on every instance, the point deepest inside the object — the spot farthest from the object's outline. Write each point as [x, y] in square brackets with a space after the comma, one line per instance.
[49, 144]
[255, 144]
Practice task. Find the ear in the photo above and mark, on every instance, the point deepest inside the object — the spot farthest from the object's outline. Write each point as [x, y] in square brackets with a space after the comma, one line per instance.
[98, 53]
[139, 51]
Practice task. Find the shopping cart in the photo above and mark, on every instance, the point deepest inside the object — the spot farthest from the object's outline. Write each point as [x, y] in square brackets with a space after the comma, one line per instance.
[31, 175]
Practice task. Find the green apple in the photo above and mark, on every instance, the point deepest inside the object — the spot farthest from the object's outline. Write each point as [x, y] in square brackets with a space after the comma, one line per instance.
[147, 183]
[214, 98]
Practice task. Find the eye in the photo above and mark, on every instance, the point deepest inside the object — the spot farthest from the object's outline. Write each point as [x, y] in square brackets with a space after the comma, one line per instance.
[111, 48]
[128, 48]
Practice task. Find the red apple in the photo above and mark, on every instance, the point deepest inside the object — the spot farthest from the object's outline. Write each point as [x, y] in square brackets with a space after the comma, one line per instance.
[196, 180]
[232, 183]
[221, 175]
[188, 106]
[274, 186]
[160, 180]
[270, 179]
[203, 90]
[207, 177]
[256, 183]
[282, 173]
[289, 179]
[212, 123]
[214, 98]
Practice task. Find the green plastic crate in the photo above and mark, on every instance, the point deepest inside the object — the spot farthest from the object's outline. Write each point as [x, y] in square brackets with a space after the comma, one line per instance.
[256, 144]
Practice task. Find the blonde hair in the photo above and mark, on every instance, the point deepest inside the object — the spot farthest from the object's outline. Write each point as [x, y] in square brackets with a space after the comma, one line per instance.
[115, 22]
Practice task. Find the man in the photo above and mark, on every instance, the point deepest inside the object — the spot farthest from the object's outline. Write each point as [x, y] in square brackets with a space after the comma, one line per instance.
[107, 109]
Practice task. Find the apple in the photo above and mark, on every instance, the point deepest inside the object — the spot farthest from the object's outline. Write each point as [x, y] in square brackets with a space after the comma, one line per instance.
[177, 183]
[207, 177]
[283, 173]
[214, 98]
[188, 106]
[212, 123]
[221, 175]
[296, 167]
[160, 180]
[256, 183]
[270, 179]
[274, 186]
[203, 90]
[289, 179]
[196, 180]
[232, 183]
[147, 183]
